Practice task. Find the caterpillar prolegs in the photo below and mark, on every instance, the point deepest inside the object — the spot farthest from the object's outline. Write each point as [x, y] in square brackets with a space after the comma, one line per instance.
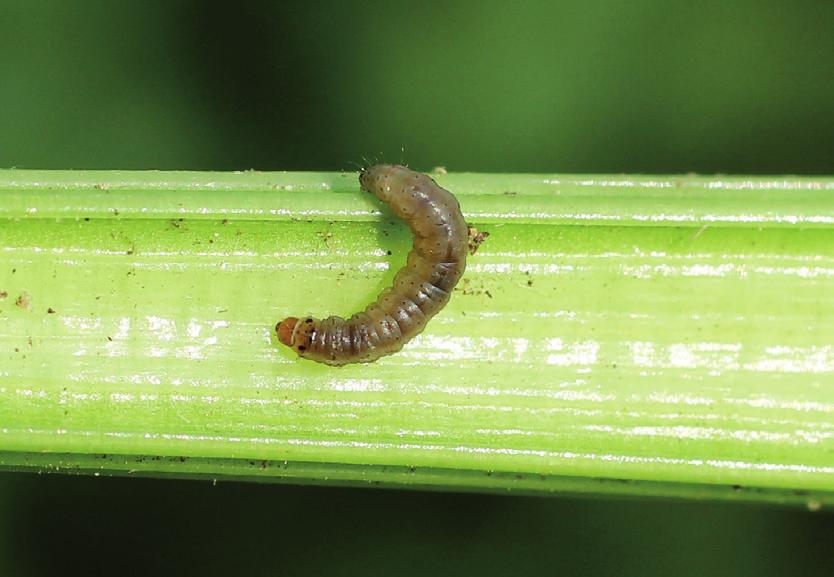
[420, 289]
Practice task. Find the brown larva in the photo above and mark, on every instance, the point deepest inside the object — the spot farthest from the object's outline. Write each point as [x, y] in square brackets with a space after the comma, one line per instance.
[420, 289]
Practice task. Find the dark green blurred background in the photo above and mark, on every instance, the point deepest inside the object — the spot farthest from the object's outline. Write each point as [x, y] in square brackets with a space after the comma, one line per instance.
[595, 86]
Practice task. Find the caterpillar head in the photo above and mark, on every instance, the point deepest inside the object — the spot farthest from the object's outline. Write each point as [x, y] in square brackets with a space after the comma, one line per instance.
[296, 333]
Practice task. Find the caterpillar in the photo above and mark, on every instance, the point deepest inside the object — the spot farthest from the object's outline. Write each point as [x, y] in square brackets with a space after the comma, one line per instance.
[420, 289]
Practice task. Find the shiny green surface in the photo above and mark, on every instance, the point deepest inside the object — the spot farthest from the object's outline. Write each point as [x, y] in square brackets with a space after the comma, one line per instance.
[673, 332]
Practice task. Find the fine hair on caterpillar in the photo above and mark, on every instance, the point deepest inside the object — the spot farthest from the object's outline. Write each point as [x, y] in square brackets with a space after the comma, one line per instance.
[419, 290]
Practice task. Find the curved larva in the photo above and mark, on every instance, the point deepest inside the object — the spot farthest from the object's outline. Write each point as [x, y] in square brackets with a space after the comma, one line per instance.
[420, 289]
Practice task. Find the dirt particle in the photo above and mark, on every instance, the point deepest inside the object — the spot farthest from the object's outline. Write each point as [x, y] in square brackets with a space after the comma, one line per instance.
[24, 301]
[467, 288]
[3, 295]
[476, 239]
[50, 311]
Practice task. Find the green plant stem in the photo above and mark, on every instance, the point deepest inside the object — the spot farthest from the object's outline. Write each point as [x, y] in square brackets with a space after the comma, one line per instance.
[641, 335]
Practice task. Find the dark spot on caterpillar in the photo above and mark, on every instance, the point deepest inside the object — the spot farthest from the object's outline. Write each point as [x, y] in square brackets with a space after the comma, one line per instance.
[420, 289]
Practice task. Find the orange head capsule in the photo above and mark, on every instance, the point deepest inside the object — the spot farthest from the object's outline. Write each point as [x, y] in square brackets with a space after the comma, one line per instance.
[285, 329]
